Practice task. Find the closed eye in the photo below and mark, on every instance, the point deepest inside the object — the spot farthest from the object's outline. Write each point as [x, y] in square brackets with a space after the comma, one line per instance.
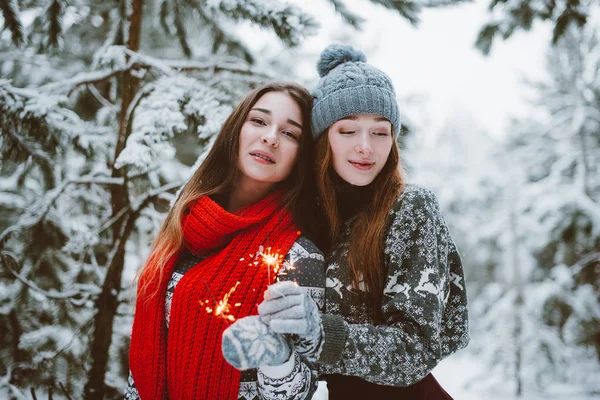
[347, 132]
[381, 133]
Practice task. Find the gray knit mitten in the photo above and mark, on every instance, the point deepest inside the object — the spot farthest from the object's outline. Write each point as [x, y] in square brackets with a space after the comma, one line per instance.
[249, 343]
[289, 309]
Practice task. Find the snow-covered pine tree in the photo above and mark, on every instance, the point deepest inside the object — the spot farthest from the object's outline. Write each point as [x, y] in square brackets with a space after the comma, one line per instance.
[547, 328]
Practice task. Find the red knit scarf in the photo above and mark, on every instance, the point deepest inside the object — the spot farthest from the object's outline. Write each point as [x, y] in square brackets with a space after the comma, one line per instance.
[190, 365]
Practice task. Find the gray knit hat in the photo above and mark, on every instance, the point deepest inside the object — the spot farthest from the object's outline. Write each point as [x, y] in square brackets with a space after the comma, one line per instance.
[350, 86]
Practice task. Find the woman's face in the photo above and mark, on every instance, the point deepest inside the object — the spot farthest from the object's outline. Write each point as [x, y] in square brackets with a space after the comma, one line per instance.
[360, 145]
[269, 141]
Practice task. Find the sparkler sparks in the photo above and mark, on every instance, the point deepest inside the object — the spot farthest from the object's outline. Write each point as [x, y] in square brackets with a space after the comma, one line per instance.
[272, 260]
[222, 308]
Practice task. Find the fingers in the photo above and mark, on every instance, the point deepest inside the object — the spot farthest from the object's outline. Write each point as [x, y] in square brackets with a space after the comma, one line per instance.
[282, 289]
[268, 307]
[251, 323]
[297, 326]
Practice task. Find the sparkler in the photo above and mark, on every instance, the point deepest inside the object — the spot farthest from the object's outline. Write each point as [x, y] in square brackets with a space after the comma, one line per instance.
[222, 308]
[272, 260]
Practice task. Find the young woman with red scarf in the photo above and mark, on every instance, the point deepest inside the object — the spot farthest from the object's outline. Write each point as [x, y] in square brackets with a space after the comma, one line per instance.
[244, 200]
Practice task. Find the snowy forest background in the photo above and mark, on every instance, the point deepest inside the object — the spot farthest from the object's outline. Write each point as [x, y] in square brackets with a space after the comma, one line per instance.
[107, 106]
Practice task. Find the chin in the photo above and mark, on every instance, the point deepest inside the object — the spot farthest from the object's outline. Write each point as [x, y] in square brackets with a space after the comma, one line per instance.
[358, 180]
[360, 184]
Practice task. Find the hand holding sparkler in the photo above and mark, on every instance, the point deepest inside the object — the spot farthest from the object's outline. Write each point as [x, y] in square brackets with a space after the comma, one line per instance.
[288, 309]
[249, 343]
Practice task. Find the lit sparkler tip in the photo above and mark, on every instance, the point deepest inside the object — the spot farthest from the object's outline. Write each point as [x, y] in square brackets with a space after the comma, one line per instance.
[222, 308]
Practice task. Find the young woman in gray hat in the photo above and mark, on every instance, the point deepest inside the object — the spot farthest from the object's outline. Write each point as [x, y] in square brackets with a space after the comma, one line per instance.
[395, 295]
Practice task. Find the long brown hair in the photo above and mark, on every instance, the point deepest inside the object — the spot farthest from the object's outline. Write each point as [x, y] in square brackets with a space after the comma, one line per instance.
[367, 236]
[218, 173]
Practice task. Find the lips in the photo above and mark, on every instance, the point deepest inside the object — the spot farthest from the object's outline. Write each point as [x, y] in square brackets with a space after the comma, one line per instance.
[261, 155]
[362, 165]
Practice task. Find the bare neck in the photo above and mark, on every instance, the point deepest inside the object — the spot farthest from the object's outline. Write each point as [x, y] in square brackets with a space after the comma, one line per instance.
[246, 193]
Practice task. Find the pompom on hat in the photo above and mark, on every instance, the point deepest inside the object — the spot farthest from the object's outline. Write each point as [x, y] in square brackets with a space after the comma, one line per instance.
[350, 86]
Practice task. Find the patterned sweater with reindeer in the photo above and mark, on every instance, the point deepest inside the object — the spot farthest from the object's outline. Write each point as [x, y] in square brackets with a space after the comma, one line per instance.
[424, 304]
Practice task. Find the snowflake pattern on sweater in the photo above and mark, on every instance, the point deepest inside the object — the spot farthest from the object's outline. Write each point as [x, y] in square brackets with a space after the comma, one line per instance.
[424, 304]
[304, 264]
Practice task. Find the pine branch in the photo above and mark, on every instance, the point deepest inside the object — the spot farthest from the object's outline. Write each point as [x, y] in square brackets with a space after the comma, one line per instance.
[221, 37]
[219, 66]
[68, 86]
[80, 329]
[65, 391]
[40, 212]
[485, 38]
[522, 14]
[347, 15]
[586, 261]
[440, 3]
[54, 14]
[140, 61]
[8, 258]
[10, 12]
[122, 33]
[288, 22]
[164, 14]
[406, 8]
[141, 202]
[98, 96]
[19, 149]
[180, 30]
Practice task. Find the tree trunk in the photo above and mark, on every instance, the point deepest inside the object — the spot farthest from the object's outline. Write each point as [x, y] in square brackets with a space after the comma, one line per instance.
[518, 284]
[107, 302]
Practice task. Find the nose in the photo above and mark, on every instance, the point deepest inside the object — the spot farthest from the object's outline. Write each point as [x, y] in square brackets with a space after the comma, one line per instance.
[269, 138]
[364, 144]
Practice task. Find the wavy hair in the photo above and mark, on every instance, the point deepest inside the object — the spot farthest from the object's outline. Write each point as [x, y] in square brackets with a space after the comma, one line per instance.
[367, 235]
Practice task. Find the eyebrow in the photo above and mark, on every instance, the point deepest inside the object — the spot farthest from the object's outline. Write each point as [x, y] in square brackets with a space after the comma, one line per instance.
[353, 118]
[268, 112]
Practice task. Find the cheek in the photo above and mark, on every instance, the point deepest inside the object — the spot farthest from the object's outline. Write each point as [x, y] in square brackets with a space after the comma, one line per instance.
[292, 154]
[242, 139]
[384, 149]
[337, 147]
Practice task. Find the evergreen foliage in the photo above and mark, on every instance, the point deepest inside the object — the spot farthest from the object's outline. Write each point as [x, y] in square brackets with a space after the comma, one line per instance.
[508, 16]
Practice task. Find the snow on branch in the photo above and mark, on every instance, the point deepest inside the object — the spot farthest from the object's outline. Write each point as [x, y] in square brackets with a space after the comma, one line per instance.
[351, 18]
[164, 112]
[288, 22]
[68, 86]
[8, 258]
[35, 124]
[39, 210]
[408, 9]
[117, 59]
[140, 202]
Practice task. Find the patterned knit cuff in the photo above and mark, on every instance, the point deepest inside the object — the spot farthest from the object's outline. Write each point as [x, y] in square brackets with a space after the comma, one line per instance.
[280, 371]
[335, 334]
